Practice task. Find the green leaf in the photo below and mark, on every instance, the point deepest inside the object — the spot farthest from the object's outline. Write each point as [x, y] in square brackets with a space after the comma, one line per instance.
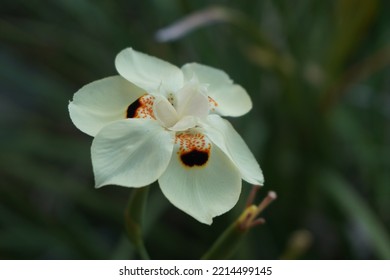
[354, 207]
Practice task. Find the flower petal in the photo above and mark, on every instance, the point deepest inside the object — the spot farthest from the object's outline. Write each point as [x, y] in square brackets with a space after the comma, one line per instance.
[222, 134]
[203, 183]
[131, 153]
[192, 100]
[142, 108]
[101, 102]
[228, 99]
[185, 123]
[148, 72]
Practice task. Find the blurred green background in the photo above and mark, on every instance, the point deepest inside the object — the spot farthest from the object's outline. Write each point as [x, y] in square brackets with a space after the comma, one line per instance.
[319, 77]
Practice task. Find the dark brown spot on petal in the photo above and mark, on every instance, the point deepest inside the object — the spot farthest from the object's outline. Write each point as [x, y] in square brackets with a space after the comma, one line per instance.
[195, 157]
[132, 109]
[142, 108]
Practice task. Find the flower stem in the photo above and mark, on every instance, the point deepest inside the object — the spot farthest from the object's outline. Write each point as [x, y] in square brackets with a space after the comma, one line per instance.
[133, 220]
[227, 244]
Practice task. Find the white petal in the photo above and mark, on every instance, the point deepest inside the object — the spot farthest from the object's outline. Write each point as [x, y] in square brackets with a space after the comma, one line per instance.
[203, 191]
[131, 153]
[231, 99]
[184, 124]
[102, 102]
[148, 72]
[192, 101]
[222, 133]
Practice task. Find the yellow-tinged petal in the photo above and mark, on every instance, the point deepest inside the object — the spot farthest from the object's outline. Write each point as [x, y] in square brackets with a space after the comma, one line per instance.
[149, 73]
[101, 102]
[227, 98]
[222, 134]
[131, 153]
[200, 179]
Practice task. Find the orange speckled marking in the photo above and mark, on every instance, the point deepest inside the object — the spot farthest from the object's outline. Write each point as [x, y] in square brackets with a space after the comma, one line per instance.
[194, 149]
[212, 103]
[142, 108]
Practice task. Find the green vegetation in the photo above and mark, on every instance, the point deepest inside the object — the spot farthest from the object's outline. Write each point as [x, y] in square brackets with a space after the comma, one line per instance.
[319, 77]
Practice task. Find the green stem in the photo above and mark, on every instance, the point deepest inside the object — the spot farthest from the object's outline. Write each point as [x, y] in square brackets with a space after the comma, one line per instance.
[226, 245]
[133, 220]
[142, 251]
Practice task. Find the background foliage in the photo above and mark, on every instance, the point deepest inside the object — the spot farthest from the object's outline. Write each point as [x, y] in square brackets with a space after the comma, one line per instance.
[318, 74]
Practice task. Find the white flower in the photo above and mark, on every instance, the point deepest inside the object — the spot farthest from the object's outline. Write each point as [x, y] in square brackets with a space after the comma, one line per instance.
[158, 122]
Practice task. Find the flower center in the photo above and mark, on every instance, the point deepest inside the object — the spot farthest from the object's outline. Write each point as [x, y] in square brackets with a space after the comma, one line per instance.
[181, 111]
